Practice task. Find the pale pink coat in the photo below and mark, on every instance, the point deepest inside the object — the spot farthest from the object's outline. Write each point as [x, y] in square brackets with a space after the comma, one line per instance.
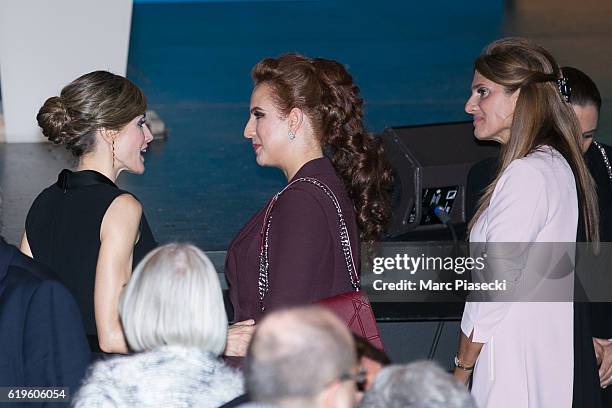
[527, 357]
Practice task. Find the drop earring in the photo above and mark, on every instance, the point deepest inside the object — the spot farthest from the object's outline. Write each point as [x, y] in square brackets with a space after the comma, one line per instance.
[113, 146]
[291, 135]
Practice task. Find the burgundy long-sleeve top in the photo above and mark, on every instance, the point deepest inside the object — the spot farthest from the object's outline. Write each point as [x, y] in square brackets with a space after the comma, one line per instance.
[306, 262]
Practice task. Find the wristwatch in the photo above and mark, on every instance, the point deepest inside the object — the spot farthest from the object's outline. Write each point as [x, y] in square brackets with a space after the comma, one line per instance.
[462, 366]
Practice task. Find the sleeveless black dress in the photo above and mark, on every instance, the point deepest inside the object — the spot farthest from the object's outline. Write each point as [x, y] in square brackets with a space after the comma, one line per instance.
[63, 229]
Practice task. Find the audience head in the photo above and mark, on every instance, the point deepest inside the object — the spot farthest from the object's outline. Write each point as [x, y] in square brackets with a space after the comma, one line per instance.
[586, 101]
[518, 99]
[302, 357]
[304, 107]
[98, 105]
[417, 385]
[371, 361]
[174, 298]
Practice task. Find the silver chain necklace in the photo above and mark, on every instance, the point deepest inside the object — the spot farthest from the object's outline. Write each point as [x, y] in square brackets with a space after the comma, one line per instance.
[345, 242]
[605, 158]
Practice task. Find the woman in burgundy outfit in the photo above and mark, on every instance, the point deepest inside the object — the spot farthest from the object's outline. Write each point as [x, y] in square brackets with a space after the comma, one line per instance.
[306, 119]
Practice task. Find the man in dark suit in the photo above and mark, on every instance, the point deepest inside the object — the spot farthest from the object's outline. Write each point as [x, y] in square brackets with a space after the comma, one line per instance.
[42, 341]
[586, 101]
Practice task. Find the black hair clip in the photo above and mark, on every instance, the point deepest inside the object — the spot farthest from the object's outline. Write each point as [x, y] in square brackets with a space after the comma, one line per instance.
[564, 89]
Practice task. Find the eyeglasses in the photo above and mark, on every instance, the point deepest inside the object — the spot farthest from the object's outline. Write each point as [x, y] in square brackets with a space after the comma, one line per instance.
[359, 378]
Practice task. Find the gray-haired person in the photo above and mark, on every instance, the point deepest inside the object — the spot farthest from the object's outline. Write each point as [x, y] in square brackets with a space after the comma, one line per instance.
[173, 318]
[422, 384]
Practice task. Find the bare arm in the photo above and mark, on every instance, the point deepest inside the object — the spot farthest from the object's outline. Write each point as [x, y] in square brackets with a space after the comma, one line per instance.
[468, 354]
[25, 246]
[118, 234]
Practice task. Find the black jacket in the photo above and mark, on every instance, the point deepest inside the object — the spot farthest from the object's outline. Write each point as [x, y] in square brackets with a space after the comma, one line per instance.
[42, 342]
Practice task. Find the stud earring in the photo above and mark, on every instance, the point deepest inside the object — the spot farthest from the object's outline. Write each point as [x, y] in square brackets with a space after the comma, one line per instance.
[291, 135]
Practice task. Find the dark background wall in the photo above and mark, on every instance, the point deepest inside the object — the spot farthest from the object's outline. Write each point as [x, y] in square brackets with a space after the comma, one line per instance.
[412, 61]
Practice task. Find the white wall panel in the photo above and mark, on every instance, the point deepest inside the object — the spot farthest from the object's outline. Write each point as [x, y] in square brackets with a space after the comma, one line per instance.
[46, 44]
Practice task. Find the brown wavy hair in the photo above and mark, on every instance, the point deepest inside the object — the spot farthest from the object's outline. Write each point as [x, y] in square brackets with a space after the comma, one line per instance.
[325, 92]
[541, 117]
[93, 101]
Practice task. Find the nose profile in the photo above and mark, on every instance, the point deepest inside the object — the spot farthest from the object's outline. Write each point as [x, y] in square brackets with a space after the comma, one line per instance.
[249, 129]
[470, 106]
[148, 134]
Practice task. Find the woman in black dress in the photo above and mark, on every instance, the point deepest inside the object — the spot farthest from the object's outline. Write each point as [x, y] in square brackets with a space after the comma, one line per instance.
[84, 227]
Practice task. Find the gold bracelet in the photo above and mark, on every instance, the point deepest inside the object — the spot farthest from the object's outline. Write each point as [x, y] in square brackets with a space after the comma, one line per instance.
[459, 364]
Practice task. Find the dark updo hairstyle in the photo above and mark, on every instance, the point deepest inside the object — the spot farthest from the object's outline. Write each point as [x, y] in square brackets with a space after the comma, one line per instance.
[325, 92]
[584, 90]
[541, 117]
[93, 101]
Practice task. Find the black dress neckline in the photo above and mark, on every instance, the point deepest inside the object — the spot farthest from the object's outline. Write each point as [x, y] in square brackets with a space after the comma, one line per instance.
[63, 229]
[68, 179]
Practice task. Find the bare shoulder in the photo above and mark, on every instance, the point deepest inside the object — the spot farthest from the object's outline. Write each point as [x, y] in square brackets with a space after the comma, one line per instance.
[123, 215]
[125, 204]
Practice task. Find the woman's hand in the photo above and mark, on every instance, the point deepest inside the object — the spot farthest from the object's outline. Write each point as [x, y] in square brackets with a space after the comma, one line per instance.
[603, 351]
[467, 355]
[238, 338]
[462, 375]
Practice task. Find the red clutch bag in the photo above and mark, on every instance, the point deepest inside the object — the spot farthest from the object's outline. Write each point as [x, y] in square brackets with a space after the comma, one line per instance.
[354, 309]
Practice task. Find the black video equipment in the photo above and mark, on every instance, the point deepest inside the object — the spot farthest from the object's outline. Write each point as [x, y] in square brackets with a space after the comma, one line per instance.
[431, 163]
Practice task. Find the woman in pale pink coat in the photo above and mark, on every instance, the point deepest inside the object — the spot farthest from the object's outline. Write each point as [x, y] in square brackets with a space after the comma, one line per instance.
[521, 353]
